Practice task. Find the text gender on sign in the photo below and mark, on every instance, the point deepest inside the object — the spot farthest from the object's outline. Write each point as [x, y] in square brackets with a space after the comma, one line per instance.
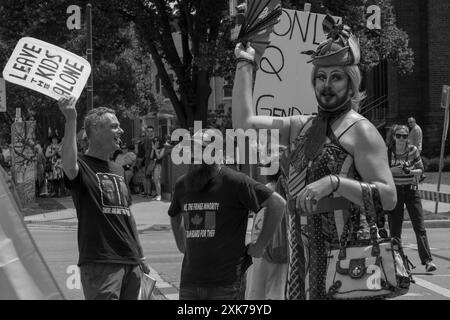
[283, 81]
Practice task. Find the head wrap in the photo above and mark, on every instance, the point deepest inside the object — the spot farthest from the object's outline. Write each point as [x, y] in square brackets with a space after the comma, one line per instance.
[341, 48]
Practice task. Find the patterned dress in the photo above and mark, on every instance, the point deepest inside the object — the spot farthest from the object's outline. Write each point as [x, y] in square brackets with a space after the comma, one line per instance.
[312, 237]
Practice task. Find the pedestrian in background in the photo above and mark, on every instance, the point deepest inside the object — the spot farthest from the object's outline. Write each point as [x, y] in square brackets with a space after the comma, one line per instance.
[110, 254]
[53, 171]
[158, 153]
[149, 163]
[406, 167]
[209, 216]
[415, 134]
[41, 181]
[266, 278]
[126, 159]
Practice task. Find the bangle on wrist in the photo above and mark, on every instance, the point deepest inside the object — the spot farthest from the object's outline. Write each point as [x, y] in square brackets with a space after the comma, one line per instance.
[338, 184]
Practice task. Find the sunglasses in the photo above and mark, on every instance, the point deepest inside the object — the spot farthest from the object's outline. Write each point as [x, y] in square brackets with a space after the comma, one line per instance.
[401, 136]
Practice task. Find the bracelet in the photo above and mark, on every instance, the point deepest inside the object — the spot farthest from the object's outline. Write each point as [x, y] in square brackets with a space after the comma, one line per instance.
[338, 184]
[252, 62]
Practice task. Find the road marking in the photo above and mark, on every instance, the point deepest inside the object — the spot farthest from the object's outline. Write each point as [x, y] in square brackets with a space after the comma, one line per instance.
[411, 294]
[433, 287]
[173, 296]
[411, 246]
[164, 286]
[414, 246]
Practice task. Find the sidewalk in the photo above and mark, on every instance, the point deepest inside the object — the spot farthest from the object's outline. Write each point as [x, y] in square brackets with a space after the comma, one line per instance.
[149, 215]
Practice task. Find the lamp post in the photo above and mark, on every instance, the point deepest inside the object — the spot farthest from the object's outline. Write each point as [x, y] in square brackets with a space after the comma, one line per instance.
[89, 52]
[445, 101]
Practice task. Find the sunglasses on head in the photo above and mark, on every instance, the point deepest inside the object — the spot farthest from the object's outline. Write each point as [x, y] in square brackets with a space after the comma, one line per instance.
[399, 136]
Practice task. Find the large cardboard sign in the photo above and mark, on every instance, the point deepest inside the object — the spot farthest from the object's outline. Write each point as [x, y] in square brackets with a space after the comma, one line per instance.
[283, 81]
[24, 275]
[47, 69]
[2, 95]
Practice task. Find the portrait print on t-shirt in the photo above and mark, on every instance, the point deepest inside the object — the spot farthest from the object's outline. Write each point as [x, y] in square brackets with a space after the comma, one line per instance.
[114, 193]
[200, 219]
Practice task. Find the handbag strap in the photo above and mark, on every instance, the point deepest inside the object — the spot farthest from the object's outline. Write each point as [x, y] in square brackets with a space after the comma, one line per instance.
[367, 191]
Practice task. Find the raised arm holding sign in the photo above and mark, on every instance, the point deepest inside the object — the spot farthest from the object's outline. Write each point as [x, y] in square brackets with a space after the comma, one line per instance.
[329, 153]
[46, 68]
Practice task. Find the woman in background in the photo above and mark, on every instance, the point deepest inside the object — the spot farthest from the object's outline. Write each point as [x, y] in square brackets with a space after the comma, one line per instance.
[158, 151]
[407, 167]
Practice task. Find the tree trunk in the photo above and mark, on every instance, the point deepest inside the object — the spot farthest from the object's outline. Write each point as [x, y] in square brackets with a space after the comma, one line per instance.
[203, 91]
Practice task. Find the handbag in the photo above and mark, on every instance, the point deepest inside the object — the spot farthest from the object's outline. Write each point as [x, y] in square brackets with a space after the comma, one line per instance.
[375, 268]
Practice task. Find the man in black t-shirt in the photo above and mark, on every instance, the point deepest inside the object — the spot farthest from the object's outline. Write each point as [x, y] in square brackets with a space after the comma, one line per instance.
[209, 215]
[110, 253]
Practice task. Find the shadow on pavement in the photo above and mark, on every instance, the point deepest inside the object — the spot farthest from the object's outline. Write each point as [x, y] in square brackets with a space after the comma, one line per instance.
[42, 205]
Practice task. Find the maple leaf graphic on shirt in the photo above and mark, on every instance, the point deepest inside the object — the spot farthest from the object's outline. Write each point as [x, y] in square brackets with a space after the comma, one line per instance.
[196, 220]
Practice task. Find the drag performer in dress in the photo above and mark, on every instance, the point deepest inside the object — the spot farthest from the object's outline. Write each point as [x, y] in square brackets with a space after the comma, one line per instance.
[329, 154]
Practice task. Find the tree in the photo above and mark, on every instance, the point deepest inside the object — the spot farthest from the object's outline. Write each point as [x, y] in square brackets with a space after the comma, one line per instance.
[202, 28]
[121, 69]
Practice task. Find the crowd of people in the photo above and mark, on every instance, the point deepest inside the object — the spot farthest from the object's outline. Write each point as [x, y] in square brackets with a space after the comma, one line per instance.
[142, 169]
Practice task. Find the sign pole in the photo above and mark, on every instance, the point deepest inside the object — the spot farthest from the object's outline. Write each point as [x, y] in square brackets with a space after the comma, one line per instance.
[444, 104]
[89, 51]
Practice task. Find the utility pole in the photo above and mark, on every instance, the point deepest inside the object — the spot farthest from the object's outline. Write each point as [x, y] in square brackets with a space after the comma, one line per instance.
[89, 52]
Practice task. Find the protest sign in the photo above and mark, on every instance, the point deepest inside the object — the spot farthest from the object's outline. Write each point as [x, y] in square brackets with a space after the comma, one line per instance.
[24, 275]
[283, 81]
[46, 68]
[2, 95]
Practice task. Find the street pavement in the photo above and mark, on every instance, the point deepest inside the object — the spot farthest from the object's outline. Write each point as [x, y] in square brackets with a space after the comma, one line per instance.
[55, 235]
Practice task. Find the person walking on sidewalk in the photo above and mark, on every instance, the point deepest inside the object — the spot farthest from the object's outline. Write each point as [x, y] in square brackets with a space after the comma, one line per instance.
[415, 134]
[406, 167]
[149, 163]
[158, 152]
[209, 216]
[110, 253]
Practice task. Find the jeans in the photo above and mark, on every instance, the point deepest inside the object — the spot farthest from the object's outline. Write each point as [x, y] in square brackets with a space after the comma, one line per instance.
[110, 281]
[409, 196]
[228, 292]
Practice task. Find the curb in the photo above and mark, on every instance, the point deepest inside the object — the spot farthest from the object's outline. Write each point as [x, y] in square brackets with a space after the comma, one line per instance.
[430, 224]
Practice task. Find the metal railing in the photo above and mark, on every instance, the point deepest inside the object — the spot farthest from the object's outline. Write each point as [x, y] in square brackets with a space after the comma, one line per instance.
[375, 110]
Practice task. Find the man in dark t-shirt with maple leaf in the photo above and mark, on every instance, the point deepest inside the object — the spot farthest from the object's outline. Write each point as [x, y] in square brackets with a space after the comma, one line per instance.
[110, 253]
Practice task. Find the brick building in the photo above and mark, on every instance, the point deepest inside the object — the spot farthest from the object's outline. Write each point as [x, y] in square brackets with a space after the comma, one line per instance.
[427, 23]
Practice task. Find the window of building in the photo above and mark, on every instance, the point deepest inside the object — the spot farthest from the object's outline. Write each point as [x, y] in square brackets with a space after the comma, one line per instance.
[227, 88]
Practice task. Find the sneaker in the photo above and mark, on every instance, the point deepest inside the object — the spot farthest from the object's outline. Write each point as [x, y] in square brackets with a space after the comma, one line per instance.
[430, 267]
[157, 198]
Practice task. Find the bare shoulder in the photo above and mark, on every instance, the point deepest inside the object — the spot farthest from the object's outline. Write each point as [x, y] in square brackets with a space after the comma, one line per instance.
[362, 136]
